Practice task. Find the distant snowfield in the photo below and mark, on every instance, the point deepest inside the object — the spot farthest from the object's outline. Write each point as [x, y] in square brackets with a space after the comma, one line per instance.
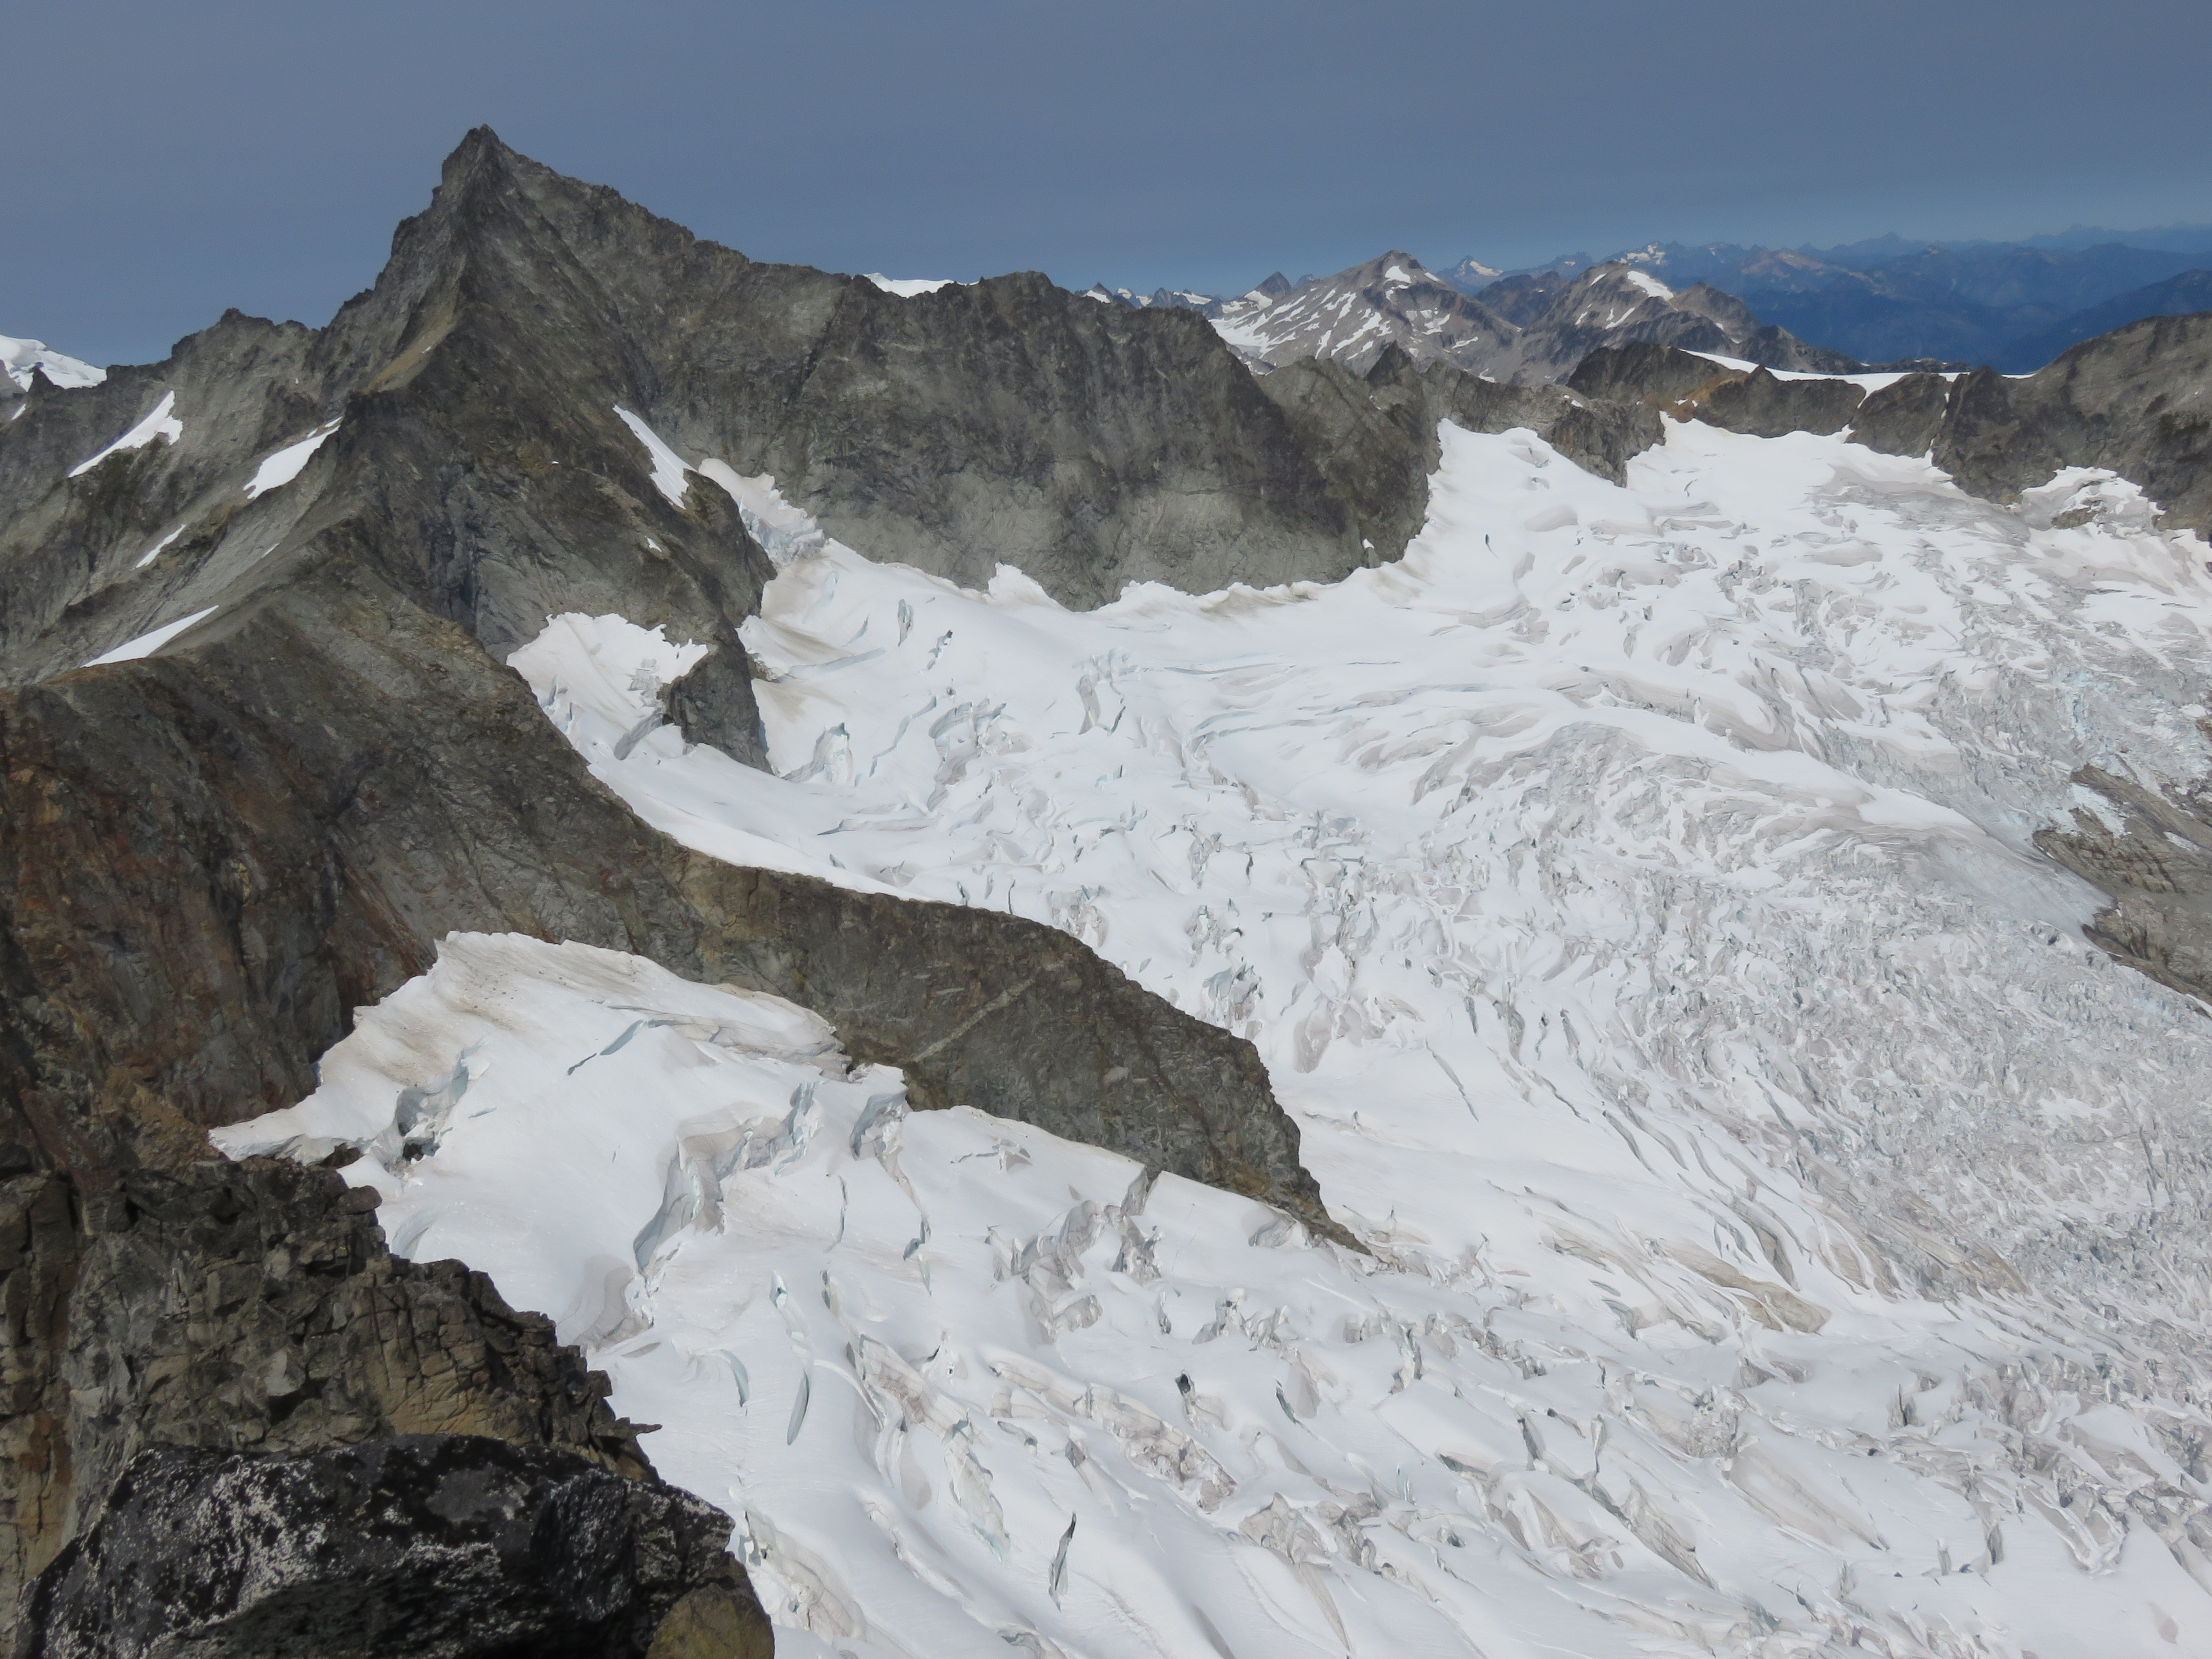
[1789, 1234]
[21, 359]
[908, 288]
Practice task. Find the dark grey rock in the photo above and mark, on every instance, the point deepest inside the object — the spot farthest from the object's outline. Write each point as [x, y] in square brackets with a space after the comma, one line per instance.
[2157, 870]
[1521, 299]
[1647, 371]
[476, 386]
[1378, 432]
[2137, 400]
[1764, 407]
[254, 1308]
[1609, 306]
[1905, 417]
[422, 1547]
[1599, 436]
[1688, 386]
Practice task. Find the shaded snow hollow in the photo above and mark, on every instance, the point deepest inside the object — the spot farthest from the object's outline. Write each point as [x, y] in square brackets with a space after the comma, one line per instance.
[1630, 893]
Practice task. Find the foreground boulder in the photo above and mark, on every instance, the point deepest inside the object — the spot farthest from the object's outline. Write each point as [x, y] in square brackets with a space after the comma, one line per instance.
[434, 1546]
[223, 1389]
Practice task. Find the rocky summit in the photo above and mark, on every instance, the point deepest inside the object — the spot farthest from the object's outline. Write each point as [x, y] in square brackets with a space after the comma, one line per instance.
[701, 958]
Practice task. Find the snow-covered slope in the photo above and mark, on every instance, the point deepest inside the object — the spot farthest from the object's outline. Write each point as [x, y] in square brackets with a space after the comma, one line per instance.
[21, 358]
[1787, 1235]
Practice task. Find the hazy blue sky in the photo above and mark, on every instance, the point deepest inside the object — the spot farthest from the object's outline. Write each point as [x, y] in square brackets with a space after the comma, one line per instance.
[164, 161]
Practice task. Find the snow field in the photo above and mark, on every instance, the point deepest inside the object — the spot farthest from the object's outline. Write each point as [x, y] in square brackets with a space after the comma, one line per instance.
[1788, 1232]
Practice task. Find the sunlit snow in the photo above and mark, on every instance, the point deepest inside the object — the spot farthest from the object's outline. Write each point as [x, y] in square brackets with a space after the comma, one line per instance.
[147, 644]
[1874, 381]
[1789, 1235]
[286, 463]
[907, 287]
[21, 358]
[668, 467]
[160, 422]
[158, 548]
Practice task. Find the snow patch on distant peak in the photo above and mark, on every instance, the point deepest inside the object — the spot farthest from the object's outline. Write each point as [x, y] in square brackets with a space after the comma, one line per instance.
[908, 288]
[21, 358]
[668, 467]
[1650, 284]
[161, 424]
[286, 463]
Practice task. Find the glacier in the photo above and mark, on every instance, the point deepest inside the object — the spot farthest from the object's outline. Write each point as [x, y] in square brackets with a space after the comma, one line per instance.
[1785, 1233]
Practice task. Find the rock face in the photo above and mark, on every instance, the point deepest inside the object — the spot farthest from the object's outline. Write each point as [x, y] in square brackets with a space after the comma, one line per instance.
[1689, 387]
[183, 1350]
[1376, 432]
[475, 387]
[447, 1546]
[1619, 305]
[2137, 401]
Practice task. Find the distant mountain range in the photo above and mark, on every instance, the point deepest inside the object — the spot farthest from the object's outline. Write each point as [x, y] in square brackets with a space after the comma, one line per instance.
[2013, 305]
[1524, 330]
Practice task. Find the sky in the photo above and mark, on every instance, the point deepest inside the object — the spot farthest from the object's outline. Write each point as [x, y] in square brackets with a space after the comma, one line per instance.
[165, 162]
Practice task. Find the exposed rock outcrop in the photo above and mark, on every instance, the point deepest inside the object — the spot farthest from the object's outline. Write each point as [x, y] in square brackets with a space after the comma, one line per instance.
[2137, 401]
[1905, 417]
[1378, 432]
[1688, 386]
[1618, 305]
[2156, 868]
[1352, 317]
[440, 1546]
[475, 390]
[251, 1314]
